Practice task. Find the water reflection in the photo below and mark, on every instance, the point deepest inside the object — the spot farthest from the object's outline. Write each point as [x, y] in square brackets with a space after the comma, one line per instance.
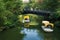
[31, 34]
[11, 34]
[57, 34]
[48, 36]
[35, 34]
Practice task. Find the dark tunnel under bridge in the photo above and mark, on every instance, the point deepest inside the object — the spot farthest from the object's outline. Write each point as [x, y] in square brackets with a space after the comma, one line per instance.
[45, 14]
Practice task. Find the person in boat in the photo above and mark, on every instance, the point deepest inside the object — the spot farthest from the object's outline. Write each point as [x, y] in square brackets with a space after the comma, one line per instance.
[26, 21]
[47, 24]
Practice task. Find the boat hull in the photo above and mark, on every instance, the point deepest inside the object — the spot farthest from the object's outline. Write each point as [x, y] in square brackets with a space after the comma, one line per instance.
[47, 29]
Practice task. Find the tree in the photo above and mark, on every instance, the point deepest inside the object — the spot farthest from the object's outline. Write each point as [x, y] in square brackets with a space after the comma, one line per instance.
[50, 5]
[9, 10]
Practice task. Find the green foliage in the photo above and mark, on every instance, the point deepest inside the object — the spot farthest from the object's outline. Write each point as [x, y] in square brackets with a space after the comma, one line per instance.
[50, 5]
[9, 10]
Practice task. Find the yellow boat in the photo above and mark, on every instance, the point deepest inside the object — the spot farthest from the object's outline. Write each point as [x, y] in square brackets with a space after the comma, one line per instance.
[26, 19]
[47, 26]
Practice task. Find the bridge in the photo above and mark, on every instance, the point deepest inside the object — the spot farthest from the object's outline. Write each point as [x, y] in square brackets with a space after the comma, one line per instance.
[43, 13]
[37, 12]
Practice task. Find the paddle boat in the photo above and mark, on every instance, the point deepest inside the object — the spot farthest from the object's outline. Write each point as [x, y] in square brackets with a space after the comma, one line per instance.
[47, 26]
[26, 21]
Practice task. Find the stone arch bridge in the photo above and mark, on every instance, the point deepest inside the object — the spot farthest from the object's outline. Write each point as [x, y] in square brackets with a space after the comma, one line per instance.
[46, 14]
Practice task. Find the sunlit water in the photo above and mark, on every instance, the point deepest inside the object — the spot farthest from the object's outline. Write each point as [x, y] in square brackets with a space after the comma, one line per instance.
[29, 34]
[32, 34]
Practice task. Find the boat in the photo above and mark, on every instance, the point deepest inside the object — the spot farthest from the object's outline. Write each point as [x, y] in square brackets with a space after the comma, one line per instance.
[47, 26]
[47, 29]
[26, 19]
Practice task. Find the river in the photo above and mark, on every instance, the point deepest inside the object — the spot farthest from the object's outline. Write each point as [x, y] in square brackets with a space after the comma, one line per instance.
[29, 34]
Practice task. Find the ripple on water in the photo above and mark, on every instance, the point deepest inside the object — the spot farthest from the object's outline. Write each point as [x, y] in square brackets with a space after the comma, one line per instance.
[31, 34]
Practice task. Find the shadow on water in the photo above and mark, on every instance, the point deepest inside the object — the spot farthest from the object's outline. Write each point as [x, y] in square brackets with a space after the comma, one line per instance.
[39, 34]
[31, 34]
[21, 33]
[11, 34]
[56, 33]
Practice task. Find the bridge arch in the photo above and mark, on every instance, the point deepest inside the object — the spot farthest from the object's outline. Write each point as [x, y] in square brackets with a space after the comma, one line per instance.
[37, 12]
[45, 14]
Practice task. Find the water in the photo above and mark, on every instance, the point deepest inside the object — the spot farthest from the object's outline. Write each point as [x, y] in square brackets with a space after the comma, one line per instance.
[32, 34]
[29, 34]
